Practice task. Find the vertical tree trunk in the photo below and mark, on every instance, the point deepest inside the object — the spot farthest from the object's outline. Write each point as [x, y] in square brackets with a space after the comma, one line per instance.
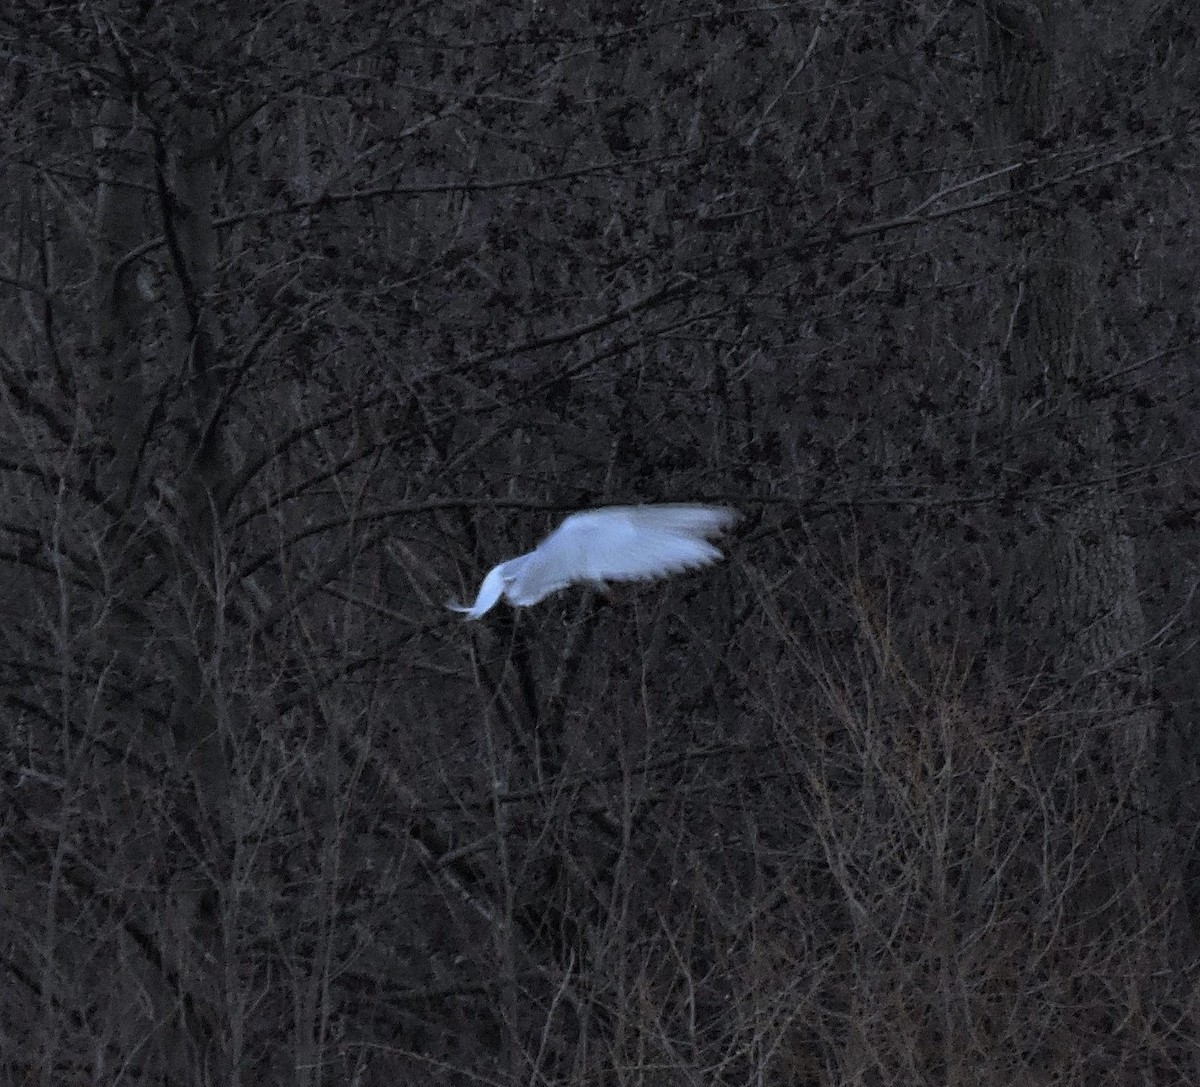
[119, 304]
[187, 629]
[201, 733]
[1086, 581]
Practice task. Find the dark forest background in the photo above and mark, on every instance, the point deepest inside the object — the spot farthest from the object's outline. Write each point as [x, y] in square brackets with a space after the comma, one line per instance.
[313, 311]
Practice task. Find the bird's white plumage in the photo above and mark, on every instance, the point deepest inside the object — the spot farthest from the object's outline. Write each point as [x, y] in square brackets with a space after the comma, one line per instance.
[619, 543]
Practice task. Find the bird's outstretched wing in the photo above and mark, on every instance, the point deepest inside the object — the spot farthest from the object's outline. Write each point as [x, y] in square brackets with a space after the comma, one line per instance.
[621, 543]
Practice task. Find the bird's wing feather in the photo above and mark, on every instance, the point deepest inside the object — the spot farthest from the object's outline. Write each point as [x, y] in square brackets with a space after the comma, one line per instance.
[688, 520]
[676, 519]
[649, 554]
[621, 543]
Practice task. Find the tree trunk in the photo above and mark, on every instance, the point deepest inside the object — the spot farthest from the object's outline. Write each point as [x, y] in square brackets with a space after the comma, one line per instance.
[1088, 610]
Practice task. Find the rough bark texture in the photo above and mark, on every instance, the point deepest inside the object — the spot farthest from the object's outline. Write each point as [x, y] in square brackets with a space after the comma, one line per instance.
[1086, 577]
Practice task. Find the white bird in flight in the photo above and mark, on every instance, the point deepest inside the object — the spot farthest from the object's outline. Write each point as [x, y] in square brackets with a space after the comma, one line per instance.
[618, 543]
